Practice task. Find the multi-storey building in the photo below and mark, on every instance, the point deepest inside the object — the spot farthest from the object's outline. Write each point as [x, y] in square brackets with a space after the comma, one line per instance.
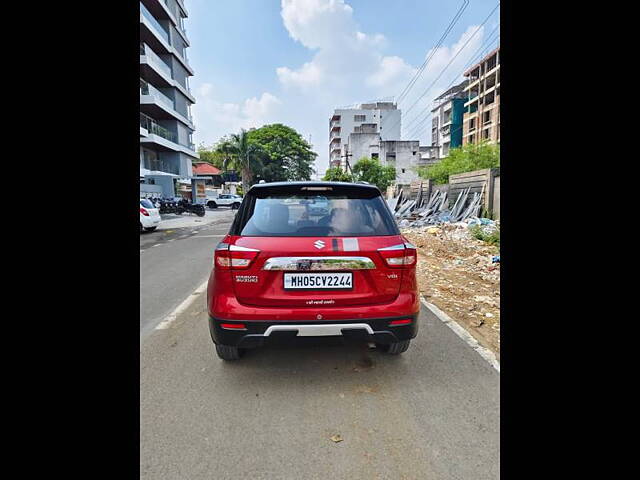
[446, 120]
[481, 120]
[381, 118]
[404, 155]
[166, 125]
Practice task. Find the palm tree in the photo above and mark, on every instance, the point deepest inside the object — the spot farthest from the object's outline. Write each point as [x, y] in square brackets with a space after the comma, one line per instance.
[241, 155]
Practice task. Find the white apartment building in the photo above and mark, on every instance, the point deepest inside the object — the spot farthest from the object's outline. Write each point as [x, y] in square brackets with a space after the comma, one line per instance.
[381, 118]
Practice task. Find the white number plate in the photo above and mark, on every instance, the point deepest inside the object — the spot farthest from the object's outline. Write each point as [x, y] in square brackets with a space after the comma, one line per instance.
[318, 281]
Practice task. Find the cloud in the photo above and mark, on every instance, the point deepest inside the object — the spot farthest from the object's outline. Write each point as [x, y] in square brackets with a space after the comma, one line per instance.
[390, 71]
[343, 54]
[218, 118]
[307, 77]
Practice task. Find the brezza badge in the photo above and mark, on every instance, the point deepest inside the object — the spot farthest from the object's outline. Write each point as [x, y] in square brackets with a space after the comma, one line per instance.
[318, 244]
[247, 278]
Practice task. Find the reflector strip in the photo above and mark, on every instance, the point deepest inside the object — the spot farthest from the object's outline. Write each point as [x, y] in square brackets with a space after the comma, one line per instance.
[234, 326]
[404, 321]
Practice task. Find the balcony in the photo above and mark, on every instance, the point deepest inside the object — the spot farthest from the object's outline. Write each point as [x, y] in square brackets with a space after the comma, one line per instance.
[155, 25]
[153, 127]
[154, 60]
[163, 139]
[151, 91]
[335, 136]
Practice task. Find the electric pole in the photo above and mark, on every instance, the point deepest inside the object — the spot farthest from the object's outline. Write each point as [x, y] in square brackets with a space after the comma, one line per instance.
[347, 166]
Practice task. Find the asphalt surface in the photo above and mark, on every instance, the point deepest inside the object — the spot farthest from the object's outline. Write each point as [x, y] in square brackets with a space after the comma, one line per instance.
[173, 263]
[431, 413]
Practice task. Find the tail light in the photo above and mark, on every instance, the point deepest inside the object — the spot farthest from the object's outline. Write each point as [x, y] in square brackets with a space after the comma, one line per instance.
[401, 255]
[234, 257]
[144, 212]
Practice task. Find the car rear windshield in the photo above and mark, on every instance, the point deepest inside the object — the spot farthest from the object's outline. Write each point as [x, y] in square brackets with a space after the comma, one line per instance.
[146, 204]
[294, 212]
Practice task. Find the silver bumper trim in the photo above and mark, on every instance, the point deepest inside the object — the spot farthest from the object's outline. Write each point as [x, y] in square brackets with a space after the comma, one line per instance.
[318, 330]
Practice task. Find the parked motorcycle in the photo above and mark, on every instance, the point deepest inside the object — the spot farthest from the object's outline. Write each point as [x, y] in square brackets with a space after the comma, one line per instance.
[196, 208]
[169, 206]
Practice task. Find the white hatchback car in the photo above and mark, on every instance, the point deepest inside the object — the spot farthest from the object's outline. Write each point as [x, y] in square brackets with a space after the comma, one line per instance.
[149, 216]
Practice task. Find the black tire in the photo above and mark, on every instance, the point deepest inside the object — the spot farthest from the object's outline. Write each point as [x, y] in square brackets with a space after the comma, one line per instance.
[150, 229]
[228, 353]
[235, 206]
[212, 205]
[396, 348]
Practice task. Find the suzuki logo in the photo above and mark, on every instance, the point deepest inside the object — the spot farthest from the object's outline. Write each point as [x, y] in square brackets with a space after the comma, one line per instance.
[318, 244]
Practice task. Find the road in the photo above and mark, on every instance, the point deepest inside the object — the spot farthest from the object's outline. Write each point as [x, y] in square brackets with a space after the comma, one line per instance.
[173, 263]
[431, 413]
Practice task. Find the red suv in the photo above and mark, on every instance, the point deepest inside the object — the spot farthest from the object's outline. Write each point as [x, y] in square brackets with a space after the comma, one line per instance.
[289, 269]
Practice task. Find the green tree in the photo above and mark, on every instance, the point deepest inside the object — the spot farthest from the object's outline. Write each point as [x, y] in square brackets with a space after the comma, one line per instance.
[467, 158]
[287, 155]
[336, 174]
[370, 170]
[210, 155]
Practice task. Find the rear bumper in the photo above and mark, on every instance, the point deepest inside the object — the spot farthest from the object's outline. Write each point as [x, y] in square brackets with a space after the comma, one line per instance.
[259, 333]
[150, 221]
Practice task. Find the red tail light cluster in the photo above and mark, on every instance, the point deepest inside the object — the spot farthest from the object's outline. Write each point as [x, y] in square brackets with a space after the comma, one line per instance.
[144, 212]
[233, 257]
[398, 256]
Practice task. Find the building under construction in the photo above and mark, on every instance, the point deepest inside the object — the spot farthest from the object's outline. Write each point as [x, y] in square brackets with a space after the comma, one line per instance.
[481, 120]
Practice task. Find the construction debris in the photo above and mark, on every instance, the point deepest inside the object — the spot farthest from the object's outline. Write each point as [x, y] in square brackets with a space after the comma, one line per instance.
[458, 273]
[435, 211]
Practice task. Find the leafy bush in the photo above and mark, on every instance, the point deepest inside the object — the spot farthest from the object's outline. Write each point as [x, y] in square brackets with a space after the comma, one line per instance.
[467, 158]
[492, 238]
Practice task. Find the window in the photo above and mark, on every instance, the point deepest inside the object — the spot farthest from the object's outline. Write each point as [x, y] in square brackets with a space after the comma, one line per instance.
[403, 170]
[486, 117]
[485, 133]
[359, 118]
[374, 155]
[343, 211]
[472, 124]
[151, 160]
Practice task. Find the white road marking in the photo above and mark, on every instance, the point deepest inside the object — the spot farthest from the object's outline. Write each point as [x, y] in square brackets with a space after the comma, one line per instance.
[156, 245]
[182, 307]
[485, 353]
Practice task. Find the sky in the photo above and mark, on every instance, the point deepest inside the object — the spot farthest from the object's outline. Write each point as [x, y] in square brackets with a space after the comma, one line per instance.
[294, 61]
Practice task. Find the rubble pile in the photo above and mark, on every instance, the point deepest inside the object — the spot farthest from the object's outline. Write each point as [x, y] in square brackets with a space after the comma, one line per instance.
[434, 210]
[460, 274]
